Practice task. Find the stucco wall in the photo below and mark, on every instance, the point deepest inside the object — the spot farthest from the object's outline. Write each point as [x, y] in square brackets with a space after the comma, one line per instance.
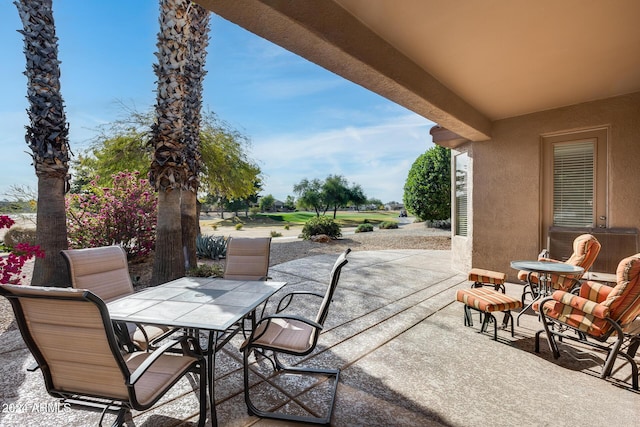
[505, 203]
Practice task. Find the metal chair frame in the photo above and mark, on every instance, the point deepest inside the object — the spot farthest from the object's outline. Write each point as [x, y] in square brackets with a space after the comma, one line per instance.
[122, 407]
[249, 346]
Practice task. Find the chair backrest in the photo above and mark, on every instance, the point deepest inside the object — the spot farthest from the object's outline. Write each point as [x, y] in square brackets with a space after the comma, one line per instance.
[247, 258]
[102, 270]
[333, 283]
[585, 251]
[624, 299]
[69, 333]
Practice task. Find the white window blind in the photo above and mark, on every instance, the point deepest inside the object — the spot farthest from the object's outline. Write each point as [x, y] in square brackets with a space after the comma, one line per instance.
[462, 178]
[573, 184]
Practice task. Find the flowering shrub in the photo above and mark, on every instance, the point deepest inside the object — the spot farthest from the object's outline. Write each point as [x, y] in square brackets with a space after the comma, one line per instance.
[11, 266]
[124, 215]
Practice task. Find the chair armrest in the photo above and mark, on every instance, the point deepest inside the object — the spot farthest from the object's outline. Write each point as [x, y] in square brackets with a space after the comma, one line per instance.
[144, 366]
[268, 319]
[290, 296]
[595, 291]
[585, 305]
[309, 322]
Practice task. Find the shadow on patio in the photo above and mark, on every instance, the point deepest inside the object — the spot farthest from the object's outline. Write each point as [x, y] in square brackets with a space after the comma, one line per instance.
[406, 359]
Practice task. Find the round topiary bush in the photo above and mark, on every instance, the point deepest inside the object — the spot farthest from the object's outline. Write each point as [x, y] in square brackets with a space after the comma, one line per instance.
[363, 228]
[16, 235]
[386, 225]
[321, 225]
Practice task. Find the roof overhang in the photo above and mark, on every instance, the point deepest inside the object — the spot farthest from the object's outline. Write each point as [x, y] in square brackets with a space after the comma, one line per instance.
[464, 64]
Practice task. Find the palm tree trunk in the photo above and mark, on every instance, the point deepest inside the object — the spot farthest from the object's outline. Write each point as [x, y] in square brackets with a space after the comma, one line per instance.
[189, 222]
[168, 263]
[198, 39]
[47, 137]
[51, 233]
[169, 171]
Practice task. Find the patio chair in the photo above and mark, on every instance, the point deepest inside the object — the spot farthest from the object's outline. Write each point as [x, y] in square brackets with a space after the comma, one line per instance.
[598, 312]
[585, 251]
[247, 258]
[294, 335]
[104, 271]
[71, 336]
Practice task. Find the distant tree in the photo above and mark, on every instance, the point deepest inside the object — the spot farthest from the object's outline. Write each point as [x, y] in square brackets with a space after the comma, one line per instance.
[123, 146]
[266, 203]
[336, 192]
[236, 205]
[21, 199]
[357, 197]
[227, 170]
[375, 202]
[290, 203]
[427, 191]
[310, 195]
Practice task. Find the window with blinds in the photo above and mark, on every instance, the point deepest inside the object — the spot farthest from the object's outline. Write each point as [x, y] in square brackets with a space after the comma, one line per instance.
[573, 184]
[462, 179]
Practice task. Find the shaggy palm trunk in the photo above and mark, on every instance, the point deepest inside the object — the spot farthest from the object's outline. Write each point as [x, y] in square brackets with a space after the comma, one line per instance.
[169, 171]
[47, 137]
[51, 233]
[194, 72]
[166, 271]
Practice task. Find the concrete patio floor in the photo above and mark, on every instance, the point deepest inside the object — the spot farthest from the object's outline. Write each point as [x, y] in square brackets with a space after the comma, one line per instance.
[406, 357]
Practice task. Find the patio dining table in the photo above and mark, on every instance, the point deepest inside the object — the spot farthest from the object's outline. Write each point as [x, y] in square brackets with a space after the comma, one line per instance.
[544, 269]
[215, 306]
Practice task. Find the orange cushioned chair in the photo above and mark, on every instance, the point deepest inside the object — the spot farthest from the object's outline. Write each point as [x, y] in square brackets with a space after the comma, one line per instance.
[598, 312]
[585, 251]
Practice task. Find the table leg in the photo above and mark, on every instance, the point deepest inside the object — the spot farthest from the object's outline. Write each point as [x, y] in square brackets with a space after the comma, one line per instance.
[211, 374]
[541, 290]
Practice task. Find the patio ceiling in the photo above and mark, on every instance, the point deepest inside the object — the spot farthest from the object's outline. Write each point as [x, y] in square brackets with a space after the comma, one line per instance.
[462, 64]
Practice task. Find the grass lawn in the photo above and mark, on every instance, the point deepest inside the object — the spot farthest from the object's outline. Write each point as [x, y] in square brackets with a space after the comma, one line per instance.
[343, 218]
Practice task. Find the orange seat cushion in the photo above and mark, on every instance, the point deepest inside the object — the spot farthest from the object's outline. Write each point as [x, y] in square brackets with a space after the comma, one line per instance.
[487, 276]
[487, 300]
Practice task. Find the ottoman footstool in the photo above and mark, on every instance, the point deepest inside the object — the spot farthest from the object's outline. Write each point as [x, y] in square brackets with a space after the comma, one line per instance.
[481, 278]
[486, 301]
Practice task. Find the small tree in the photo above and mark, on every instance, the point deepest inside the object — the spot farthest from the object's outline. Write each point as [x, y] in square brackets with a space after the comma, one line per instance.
[427, 191]
[310, 195]
[290, 203]
[266, 203]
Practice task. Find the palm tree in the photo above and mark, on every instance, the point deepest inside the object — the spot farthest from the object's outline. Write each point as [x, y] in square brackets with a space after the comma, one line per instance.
[169, 169]
[195, 72]
[47, 136]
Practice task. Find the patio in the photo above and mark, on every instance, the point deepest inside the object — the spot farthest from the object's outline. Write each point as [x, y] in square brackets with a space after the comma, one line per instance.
[405, 354]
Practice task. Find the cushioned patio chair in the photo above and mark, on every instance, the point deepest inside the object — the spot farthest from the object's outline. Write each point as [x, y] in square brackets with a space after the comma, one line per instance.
[247, 258]
[294, 335]
[105, 272]
[585, 251]
[599, 316]
[71, 336]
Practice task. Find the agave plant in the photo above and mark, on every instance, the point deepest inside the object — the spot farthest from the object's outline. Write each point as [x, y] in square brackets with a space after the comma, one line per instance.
[212, 247]
[47, 136]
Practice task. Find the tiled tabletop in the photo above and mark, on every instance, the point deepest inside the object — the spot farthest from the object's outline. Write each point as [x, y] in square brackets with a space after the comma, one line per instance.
[194, 302]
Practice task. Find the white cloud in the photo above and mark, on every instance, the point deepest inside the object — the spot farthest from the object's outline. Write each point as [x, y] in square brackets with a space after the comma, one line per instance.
[378, 157]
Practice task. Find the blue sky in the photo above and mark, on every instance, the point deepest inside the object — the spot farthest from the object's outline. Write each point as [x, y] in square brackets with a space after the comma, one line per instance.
[303, 121]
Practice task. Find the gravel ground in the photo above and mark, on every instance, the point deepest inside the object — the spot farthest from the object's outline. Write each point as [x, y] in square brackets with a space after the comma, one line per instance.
[409, 236]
